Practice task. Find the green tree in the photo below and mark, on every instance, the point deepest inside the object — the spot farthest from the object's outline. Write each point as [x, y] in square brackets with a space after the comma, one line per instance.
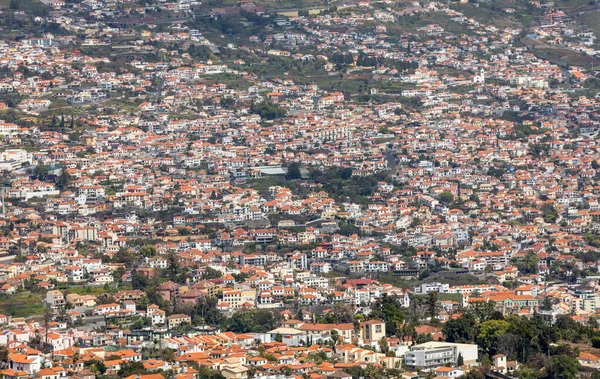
[99, 367]
[562, 367]
[423, 338]
[251, 321]
[505, 344]
[131, 368]
[446, 197]
[461, 329]
[384, 347]
[267, 110]
[206, 311]
[432, 305]
[40, 172]
[340, 313]
[476, 373]
[211, 273]
[546, 304]
[550, 213]
[529, 265]
[388, 308]
[63, 179]
[226, 102]
[483, 310]
[205, 372]
[3, 354]
[293, 171]
[489, 331]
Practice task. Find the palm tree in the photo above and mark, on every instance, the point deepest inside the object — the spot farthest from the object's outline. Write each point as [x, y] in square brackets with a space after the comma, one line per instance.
[335, 335]
[383, 345]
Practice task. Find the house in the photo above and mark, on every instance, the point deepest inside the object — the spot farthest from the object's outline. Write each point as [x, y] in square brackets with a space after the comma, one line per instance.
[84, 374]
[168, 290]
[157, 317]
[339, 375]
[589, 360]
[178, 319]
[81, 300]
[372, 330]
[23, 362]
[55, 300]
[8, 289]
[106, 309]
[316, 331]
[47, 374]
[145, 376]
[13, 374]
[234, 372]
[448, 372]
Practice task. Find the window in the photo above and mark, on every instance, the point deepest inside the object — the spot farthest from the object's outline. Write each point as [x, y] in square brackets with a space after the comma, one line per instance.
[377, 328]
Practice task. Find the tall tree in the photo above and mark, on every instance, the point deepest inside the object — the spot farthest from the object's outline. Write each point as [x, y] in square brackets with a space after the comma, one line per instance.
[293, 171]
[432, 305]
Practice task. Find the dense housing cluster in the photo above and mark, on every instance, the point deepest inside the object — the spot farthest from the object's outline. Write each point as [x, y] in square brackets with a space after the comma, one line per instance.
[307, 189]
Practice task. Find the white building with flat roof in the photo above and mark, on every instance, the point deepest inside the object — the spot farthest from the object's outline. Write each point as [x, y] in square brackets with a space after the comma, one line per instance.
[431, 355]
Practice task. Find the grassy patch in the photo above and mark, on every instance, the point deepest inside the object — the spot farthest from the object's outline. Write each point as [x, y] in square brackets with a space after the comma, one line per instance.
[295, 13]
[22, 304]
[230, 80]
[564, 57]
[87, 290]
[289, 14]
[277, 67]
[450, 297]
[557, 54]
[388, 86]
[271, 4]
[352, 84]
[265, 182]
[95, 291]
[122, 104]
[443, 277]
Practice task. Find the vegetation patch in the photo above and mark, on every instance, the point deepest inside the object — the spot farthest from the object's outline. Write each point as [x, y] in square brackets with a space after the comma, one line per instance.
[22, 304]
